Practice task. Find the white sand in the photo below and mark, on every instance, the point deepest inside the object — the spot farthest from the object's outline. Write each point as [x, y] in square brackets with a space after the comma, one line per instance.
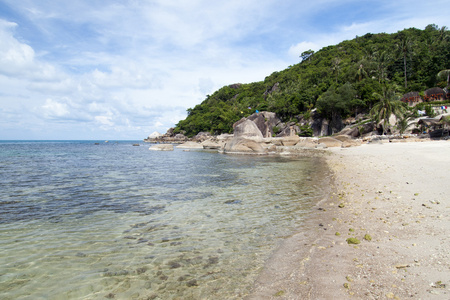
[396, 193]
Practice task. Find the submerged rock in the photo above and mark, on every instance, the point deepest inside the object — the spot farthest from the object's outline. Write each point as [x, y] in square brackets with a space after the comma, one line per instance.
[161, 147]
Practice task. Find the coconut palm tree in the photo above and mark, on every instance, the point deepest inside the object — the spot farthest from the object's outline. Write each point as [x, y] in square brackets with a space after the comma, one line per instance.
[404, 122]
[405, 49]
[388, 104]
[382, 59]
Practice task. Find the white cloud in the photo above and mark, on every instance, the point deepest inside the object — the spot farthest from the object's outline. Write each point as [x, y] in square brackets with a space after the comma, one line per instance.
[297, 50]
[104, 120]
[131, 68]
[54, 109]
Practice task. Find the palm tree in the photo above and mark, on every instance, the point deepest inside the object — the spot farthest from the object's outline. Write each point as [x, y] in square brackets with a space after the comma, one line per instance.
[335, 66]
[388, 104]
[404, 48]
[404, 122]
[361, 72]
[443, 74]
[382, 59]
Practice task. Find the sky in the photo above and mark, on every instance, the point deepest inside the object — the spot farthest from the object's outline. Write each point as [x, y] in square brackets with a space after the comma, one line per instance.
[121, 70]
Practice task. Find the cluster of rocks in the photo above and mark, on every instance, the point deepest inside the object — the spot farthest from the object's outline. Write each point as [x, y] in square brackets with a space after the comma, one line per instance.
[260, 133]
[264, 133]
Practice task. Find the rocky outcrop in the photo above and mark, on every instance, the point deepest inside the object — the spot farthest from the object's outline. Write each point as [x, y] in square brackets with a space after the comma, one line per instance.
[356, 130]
[265, 121]
[247, 138]
[255, 135]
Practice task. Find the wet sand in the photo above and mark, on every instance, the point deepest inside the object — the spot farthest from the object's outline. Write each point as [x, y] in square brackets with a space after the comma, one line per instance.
[393, 199]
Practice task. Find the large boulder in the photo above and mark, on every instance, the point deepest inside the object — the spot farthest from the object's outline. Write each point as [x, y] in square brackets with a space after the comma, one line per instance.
[155, 135]
[243, 145]
[161, 147]
[247, 129]
[265, 121]
[357, 130]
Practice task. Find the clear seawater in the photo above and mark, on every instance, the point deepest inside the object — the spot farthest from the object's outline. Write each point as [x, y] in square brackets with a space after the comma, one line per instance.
[80, 220]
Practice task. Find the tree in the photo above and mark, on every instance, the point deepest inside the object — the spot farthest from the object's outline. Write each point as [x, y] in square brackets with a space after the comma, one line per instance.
[307, 55]
[404, 122]
[388, 104]
[335, 66]
[443, 74]
[405, 49]
[381, 58]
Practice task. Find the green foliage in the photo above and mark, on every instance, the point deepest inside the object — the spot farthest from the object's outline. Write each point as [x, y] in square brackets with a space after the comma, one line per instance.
[429, 111]
[339, 81]
[306, 131]
[388, 105]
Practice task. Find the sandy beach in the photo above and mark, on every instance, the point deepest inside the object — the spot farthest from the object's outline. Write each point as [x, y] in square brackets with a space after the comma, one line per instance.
[392, 200]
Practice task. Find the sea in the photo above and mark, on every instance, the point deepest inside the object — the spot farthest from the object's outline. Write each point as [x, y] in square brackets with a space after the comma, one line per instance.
[113, 220]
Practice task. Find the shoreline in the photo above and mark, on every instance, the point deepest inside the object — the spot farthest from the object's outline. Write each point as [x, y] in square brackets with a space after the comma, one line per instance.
[394, 195]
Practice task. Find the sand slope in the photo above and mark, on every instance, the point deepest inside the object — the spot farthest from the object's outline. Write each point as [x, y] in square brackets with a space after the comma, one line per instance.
[397, 194]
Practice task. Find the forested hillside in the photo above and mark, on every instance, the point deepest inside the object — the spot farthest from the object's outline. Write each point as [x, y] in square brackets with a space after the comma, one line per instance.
[339, 81]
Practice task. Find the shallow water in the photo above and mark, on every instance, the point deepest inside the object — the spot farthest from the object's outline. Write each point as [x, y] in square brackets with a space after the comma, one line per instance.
[86, 221]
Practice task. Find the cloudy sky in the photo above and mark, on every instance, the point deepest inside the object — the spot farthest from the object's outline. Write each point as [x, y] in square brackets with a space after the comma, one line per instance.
[110, 69]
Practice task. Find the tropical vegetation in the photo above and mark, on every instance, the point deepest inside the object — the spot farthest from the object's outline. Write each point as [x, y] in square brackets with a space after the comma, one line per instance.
[363, 75]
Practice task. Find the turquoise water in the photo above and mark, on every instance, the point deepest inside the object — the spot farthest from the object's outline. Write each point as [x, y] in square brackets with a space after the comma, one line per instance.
[80, 220]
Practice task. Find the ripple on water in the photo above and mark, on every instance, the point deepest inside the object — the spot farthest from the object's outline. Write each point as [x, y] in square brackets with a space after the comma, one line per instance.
[126, 226]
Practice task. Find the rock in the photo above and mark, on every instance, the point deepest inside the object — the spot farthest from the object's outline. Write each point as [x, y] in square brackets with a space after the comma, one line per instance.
[307, 143]
[261, 123]
[290, 129]
[190, 145]
[225, 136]
[357, 130]
[242, 145]
[343, 138]
[247, 129]
[290, 140]
[330, 142]
[265, 121]
[202, 136]
[350, 143]
[208, 144]
[180, 137]
[161, 147]
[155, 135]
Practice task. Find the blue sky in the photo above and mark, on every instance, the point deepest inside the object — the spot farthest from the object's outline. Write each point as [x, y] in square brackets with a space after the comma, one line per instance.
[98, 69]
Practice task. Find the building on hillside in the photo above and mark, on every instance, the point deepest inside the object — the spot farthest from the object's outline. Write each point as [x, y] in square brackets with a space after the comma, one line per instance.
[435, 94]
[412, 98]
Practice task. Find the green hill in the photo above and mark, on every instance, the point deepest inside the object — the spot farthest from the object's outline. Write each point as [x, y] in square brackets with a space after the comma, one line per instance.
[338, 80]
